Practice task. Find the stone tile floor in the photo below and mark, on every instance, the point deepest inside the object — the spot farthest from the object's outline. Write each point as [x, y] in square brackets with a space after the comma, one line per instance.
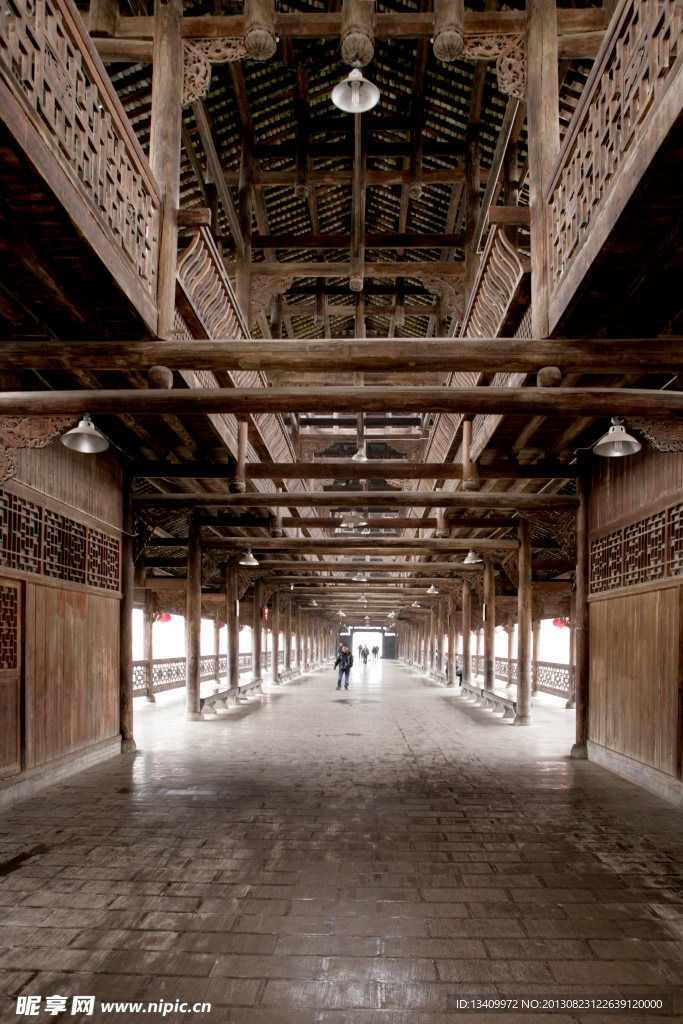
[318, 857]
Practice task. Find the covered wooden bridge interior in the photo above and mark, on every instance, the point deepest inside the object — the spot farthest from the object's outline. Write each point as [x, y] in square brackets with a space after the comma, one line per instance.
[279, 313]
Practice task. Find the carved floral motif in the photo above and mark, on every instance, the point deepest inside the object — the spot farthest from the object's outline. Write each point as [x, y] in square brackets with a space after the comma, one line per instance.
[450, 290]
[511, 69]
[27, 432]
[663, 435]
[200, 55]
[262, 291]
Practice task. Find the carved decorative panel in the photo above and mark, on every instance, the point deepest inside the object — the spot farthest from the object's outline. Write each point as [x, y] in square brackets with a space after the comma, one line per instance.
[9, 628]
[605, 563]
[676, 540]
[644, 550]
[20, 533]
[103, 561]
[64, 548]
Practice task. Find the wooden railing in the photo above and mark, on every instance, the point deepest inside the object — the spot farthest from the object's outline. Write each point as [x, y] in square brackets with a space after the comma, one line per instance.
[169, 673]
[637, 63]
[501, 290]
[51, 66]
[207, 300]
[551, 677]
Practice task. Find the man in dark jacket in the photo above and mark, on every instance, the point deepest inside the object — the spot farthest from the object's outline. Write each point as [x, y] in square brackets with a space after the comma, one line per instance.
[345, 662]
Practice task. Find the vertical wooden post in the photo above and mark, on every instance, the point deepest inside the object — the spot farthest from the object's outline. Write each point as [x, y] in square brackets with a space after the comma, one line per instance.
[478, 634]
[581, 680]
[307, 642]
[275, 665]
[256, 631]
[245, 218]
[299, 640]
[217, 648]
[571, 690]
[544, 143]
[425, 645]
[470, 470]
[287, 639]
[466, 631]
[148, 646]
[193, 619]
[238, 484]
[440, 633]
[472, 204]
[535, 647]
[511, 633]
[164, 147]
[432, 640]
[452, 639]
[102, 17]
[232, 621]
[489, 624]
[523, 716]
[126, 620]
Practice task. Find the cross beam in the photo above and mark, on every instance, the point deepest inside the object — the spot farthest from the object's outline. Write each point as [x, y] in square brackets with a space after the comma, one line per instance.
[399, 469]
[370, 499]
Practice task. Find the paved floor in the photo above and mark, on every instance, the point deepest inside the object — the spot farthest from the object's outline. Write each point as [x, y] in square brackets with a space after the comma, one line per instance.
[319, 857]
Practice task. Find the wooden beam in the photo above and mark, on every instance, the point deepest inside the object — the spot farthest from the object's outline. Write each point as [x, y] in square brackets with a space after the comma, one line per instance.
[377, 239]
[495, 169]
[246, 401]
[510, 215]
[370, 269]
[421, 355]
[370, 499]
[194, 163]
[313, 545]
[214, 165]
[399, 469]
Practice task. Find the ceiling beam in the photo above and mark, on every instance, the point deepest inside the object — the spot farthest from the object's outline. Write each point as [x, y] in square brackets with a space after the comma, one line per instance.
[399, 469]
[373, 240]
[214, 165]
[378, 268]
[370, 499]
[484, 355]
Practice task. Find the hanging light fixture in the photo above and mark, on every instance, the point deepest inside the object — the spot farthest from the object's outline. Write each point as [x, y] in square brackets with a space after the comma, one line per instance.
[416, 604]
[85, 438]
[471, 558]
[291, 586]
[354, 94]
[432, 590]
[313, 604]
[360, 577]
[360, 455]
[616, 442]
[248, 559]
[353, 519]
[342, 613]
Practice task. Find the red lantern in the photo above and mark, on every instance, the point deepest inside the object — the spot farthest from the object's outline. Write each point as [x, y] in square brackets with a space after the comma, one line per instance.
[164, 618]
[560, 623]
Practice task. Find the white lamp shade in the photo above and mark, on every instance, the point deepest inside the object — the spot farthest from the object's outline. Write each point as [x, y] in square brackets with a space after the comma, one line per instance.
[85, 438]
[432, 590]
[617, 443]
[471, 557]
[360, 455]
[248, 559]
[354, 94]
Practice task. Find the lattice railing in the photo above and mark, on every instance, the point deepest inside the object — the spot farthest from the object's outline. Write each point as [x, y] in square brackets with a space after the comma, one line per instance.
[500, 274]
[47, 54]
[648, 550]
[629, 78]
[37, 540]
[205, 284]
[551, 677]
[169, 673]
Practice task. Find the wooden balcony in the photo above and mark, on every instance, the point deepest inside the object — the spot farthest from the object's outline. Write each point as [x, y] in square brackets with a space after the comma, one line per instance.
[614, 198]
[77, 188]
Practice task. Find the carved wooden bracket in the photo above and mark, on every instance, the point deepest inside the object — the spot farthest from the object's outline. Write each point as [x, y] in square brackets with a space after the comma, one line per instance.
[27, 432]
[262, 291]
[562, 524]
[199, 57]
[509, 53]
[511, 566]
[450, 290]
[663, 435]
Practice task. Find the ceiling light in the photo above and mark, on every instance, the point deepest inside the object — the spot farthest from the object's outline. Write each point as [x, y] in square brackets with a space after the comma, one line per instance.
[360, 455]
[353, 519]
[313, 604]
[341, 612]
[248, 559]
[354, 94]
[291, 586]
[616, 442]
[432, 590]
[416, 604]
[471, 557]
[360, 577]
[85, 438]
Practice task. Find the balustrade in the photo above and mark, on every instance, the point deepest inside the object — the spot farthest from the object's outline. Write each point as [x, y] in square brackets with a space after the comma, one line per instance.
[169, 673]
[551, 677]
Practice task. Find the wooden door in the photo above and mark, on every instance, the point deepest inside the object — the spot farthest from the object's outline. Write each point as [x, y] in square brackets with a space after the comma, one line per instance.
[10, 669]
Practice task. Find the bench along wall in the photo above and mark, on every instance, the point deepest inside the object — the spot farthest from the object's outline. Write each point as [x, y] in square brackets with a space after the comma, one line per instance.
[636, 617]
[60, 545]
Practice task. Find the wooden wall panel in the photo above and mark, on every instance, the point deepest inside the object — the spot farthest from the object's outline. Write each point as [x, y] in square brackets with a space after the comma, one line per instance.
[10, 675]
[624, 490]
[634, 676]
[90, 484]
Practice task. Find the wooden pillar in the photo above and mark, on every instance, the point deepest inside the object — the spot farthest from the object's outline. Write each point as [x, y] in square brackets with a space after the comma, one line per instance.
[440, 633]
[245, 218]
[511, 633]
[275, 664]
[147, 645]
[466, 631]
[535, 647]
[164, 147]
[307, 643]
[232, 621]
[193, 619]
[102, 17]
[425, 645]
[489, 624]
[452, 639]
[238, 484]
[571, 690]
[580, 748]
[544, 143]
[478, 634]
[126, 621]
[523, 716]
[256, 631]
[432, 640]
[472, 204]
[217, 648]
[287, 639]
[299, 641]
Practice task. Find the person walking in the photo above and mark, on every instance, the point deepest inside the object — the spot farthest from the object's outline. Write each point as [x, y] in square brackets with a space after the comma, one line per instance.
[364, 654]
[345, 662]
[375, 652]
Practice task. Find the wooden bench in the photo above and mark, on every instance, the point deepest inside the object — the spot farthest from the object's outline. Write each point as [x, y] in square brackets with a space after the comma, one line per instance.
[229, 698]
[489, 699]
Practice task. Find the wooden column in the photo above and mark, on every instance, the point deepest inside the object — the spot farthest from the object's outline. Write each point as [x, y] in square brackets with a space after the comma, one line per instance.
[256, 631]
[535, 647]
[102, 17]
[581, 682]
[523, 716]
[489, 624]
[466, 631]
[126, 621]
[571, 694]
[440, 633]
[452, 639]
[299, 640]
[432, 640]
[307, 642]
[147, 645]
[287, 639]
[193, 619]
[544, 144]
[217, 648]
[232, 621]
[275, 664]
[472, 204]
[164, 147]
[511, 634]
[245, 219]
[238, 484]
[478, 634]
[425, 645]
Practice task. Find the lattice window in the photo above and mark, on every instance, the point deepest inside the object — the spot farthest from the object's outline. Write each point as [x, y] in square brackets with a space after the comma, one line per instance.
[552, 678]
[20, 533]
[139, 677]
[103, 561]
[168, 673]
[9, 628]
[64, 548]
[644, 550]
[606, 563]
[676, 540]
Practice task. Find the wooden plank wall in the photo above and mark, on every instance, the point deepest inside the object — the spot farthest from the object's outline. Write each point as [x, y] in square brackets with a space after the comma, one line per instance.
[636, 655]
[69, 671]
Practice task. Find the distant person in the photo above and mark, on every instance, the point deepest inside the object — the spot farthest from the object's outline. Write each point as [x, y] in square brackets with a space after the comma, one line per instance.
[360, 650]
[375, 652]
[365, 654]
[345, 662]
